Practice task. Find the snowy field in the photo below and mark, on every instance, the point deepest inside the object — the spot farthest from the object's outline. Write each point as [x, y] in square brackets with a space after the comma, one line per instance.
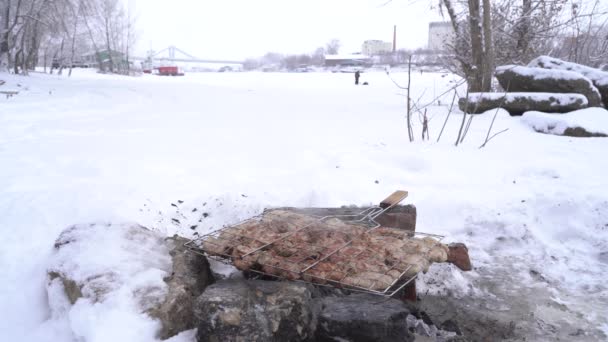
[532, 208]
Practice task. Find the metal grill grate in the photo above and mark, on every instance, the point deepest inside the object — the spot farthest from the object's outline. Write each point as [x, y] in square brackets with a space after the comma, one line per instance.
[345, 261]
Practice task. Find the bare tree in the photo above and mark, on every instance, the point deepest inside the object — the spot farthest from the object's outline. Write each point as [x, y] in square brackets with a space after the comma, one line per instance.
[475, 77]
[333, 47]
[30, 29]
[488, 44]
[489, 33]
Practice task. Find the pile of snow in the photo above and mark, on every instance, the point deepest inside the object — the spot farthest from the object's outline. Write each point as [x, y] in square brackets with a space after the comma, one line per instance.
[592, 120]
[540, 73]
[117, 270]
[555, 99]
[598, 77]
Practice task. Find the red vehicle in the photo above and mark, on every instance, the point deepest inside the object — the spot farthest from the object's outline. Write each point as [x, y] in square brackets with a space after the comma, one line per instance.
[169, 71]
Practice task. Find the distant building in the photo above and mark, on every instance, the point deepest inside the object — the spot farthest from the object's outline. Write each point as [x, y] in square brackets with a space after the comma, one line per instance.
[92, 59]
[441, 36]
[376, 47]
[347, 60]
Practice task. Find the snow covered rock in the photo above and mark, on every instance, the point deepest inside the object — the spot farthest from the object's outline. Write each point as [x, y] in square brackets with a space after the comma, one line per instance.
[591, 122]
[597, 76]
[105, 277]
[518, 103]
[515, 78]
[255, 310]
[362, 318]
[189, 278]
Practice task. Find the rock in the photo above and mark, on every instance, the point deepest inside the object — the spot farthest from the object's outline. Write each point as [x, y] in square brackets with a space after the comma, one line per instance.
[89, 258]
[597, 76]
[519, 103]
[411, 322]
[451, 325]
[255, 310]
[362, 318]
[103, 267]
[190, 276]
[514, 78]
[423, 330]
[580, 132]
[584, 123]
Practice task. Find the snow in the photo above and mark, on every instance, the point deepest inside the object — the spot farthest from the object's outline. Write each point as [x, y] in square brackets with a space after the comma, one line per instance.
[540, 73]
[593, 120]
[598, 76]
[562, 99]
[554, 74]
[120, 268]
[531, 207]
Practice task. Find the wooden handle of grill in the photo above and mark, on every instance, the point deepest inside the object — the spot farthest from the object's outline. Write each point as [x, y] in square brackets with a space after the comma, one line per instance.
[393, 199]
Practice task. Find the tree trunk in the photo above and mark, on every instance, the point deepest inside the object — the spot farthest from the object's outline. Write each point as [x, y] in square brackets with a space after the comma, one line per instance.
[128, 37]
[74, 41]
[32, 56]
[108, 45]
[23, 60]
[60, 59]
[4, 45]
[95, 47]
[476, 75]
[488, 65]
[410, 131]
[523, 29]
[46, 51]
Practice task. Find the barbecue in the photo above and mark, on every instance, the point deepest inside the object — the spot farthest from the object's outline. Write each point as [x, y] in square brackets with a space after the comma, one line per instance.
[346, 251]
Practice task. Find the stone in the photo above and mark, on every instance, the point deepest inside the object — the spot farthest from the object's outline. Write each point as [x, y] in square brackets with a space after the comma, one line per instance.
[599, 77]
[362, 318]
[514, 78]
[97, 261]
[423, 329]
[451, 325]
[77, 264]
[255, 310]
[580, 132]
[519, 103]
[190, 276]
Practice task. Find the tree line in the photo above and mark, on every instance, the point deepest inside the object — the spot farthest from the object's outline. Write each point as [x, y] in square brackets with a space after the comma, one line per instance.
[58, 33]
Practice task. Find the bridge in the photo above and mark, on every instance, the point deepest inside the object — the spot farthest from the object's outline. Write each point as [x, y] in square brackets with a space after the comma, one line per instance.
[173, 55]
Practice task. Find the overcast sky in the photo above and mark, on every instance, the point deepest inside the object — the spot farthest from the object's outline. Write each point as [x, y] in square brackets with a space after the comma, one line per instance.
[237, 29]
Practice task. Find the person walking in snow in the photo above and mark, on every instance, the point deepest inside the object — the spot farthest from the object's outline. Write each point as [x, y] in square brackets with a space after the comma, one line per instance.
[357, 75]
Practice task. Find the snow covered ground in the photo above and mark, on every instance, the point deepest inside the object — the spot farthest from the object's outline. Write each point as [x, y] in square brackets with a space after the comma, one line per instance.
[533, 208]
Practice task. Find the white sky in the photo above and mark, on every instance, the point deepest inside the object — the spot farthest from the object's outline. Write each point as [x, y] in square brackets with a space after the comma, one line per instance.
[236, 29]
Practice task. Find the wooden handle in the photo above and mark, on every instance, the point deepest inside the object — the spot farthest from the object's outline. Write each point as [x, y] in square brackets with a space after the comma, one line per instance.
[393, 199]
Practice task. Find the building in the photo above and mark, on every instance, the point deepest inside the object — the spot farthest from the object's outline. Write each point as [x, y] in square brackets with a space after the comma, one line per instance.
[376, 47]
[441, 36]
[92, 59]
[347, 60]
